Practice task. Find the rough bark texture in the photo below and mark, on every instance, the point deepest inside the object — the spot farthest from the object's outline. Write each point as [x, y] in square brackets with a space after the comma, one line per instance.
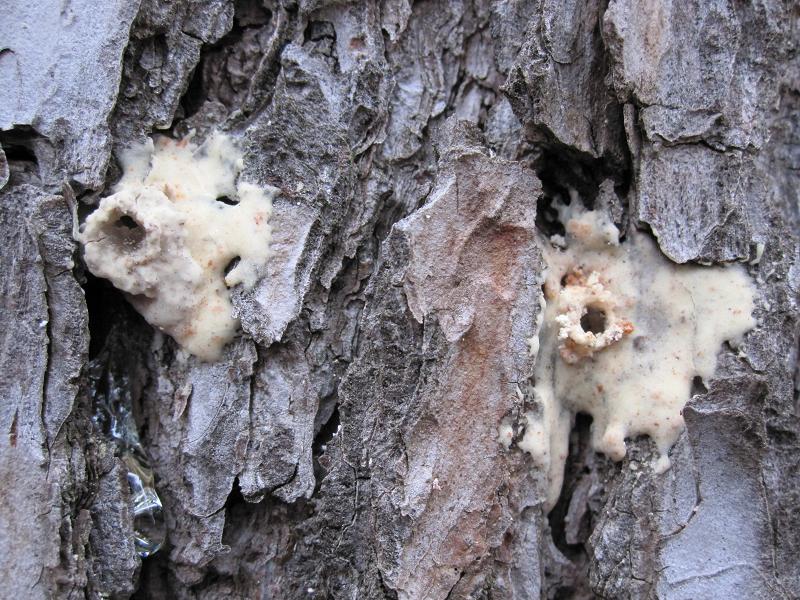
[346, 446]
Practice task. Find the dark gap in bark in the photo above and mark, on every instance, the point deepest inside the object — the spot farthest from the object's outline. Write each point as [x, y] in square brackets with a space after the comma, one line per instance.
[547, 216]
[248, 14]
[698, 387]
[119, 339]
[570, 538]
[154, 578]
[322, 461]
[782, 437]
[318, 30]
[195, 94]
[235, 498]
[624, 180]
[18, 144]
[562, 169]
[574, 468]
[387, 592]
[18, 153]
[320, 38]
[5, 172]
[112, 393]
[12, 431]
[796, 380]
[326, 432]
[104, 304]
[210, 580]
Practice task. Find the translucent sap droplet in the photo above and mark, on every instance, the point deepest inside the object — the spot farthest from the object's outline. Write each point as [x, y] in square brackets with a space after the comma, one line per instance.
[114, 417]
[148, 516]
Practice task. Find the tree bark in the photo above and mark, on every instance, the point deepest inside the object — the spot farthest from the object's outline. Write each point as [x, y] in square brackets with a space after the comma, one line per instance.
[346, 445]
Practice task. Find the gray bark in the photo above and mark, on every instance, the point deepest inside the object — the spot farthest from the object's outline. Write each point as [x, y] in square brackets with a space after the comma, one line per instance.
[346, 445]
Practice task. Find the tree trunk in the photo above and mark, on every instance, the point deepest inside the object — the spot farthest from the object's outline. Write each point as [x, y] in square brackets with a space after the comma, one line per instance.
[346, 446]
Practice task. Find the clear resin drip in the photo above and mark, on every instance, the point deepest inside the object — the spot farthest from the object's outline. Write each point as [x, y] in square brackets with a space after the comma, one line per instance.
[114, 417]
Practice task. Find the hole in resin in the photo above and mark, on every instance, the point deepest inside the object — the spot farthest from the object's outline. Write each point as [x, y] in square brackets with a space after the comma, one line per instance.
[227, 200]
[127, 222]
[127, 232]
[594, 321]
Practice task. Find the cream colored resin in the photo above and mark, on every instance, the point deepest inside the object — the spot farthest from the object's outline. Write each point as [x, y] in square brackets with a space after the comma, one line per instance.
[664, 324]
[166, 238]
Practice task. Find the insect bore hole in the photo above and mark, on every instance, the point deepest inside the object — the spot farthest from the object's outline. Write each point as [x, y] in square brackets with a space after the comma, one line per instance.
[594, 321]
[126, 232]
[127, 222]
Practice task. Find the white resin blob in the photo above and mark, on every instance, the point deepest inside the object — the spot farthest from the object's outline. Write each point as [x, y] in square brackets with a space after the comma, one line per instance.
[178, 219]
[623, 333]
